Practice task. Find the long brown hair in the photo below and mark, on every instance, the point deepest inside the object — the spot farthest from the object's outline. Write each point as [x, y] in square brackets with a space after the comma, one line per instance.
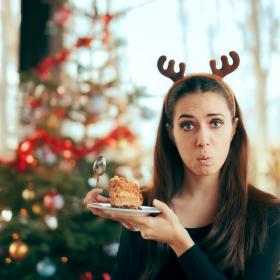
[241, 219]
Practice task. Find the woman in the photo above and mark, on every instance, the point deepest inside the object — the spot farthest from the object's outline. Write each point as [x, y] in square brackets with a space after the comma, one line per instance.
[213, 223]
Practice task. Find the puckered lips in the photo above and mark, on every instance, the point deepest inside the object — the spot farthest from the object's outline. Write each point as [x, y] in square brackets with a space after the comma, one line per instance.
[204, 159]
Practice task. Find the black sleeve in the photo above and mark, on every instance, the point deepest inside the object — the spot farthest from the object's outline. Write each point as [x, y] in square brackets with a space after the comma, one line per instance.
[196, 265]
[128, 258]
[259, 266]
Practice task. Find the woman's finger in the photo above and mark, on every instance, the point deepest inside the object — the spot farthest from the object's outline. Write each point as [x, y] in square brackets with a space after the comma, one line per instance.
[102, 199]
[92, 196]
[164, 208]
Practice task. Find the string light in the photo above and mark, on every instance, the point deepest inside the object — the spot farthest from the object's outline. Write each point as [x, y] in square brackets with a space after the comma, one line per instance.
[64, 259]
[6, 215]
[15, 236]
[29, 159]
[25, 146]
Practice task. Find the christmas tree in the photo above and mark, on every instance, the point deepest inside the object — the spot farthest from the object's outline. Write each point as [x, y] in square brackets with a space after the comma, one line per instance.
[74, 108]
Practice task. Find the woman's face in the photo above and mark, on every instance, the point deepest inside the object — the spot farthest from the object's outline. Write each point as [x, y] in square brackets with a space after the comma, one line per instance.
[202, 131]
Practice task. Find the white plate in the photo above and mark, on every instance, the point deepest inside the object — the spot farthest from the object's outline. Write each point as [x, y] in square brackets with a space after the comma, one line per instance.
[107, 208]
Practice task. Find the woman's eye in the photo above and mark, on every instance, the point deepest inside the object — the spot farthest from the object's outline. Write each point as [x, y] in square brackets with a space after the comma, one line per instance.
[216, 123]
[188, 126]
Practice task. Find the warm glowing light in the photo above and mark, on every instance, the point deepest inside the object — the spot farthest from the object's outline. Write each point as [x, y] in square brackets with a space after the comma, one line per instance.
[64, 259]
[28, 194]
[25, 146]
[36, 208]
[18, 250]
[8, 260]
[29, 159]
[15, 236]
[67, 154]
[61, 89]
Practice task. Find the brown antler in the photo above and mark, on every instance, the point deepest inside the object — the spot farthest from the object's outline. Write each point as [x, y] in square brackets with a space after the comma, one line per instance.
[226, 67]
[169, 72]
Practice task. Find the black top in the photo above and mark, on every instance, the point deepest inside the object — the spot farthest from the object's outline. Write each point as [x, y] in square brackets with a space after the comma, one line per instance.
[194, 263]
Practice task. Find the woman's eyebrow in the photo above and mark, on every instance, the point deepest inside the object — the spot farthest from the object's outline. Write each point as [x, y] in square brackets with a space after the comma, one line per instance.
[215, 115]
[208, 115]
[186, 116]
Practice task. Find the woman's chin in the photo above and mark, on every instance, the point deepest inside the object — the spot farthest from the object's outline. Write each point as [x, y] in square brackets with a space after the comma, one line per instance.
[205, 171]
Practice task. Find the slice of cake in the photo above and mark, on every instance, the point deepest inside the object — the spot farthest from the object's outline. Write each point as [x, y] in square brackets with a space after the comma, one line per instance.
[124, 194]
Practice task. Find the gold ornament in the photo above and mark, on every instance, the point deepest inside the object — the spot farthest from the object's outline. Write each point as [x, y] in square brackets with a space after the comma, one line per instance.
[18, 250]
[28, 193]
[53, 122]
[37, 208]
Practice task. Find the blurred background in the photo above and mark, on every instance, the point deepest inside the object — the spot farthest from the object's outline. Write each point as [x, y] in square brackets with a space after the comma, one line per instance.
[78, 79]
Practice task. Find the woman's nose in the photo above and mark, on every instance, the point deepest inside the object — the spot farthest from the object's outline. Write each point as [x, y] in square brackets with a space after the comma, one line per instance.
[203, 137]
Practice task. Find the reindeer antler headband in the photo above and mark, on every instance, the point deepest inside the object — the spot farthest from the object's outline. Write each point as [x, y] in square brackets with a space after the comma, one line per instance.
[217, 74]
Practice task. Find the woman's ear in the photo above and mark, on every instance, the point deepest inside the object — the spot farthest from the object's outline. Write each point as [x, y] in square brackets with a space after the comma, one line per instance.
[170, 133]
[235, 123]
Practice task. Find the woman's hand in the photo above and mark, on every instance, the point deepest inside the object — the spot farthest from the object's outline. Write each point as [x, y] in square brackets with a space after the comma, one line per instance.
[94, 196]
[164, 227]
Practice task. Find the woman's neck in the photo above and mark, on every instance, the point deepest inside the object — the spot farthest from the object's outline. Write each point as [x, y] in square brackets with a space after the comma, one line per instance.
[198, 201]
[201, 185]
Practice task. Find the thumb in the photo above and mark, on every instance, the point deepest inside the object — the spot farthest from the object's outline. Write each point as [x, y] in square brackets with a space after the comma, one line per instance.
[163, 207]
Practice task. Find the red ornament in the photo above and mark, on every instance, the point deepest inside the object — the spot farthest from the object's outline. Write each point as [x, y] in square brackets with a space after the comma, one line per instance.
[84, 42]
[61, 56]
[44, 67]
[86, 276]
[68, 144]
[22, 166]
[122, 132]
[35, 103]
[106, 276]
[65, 147]
[60, 112]
[53, 200]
